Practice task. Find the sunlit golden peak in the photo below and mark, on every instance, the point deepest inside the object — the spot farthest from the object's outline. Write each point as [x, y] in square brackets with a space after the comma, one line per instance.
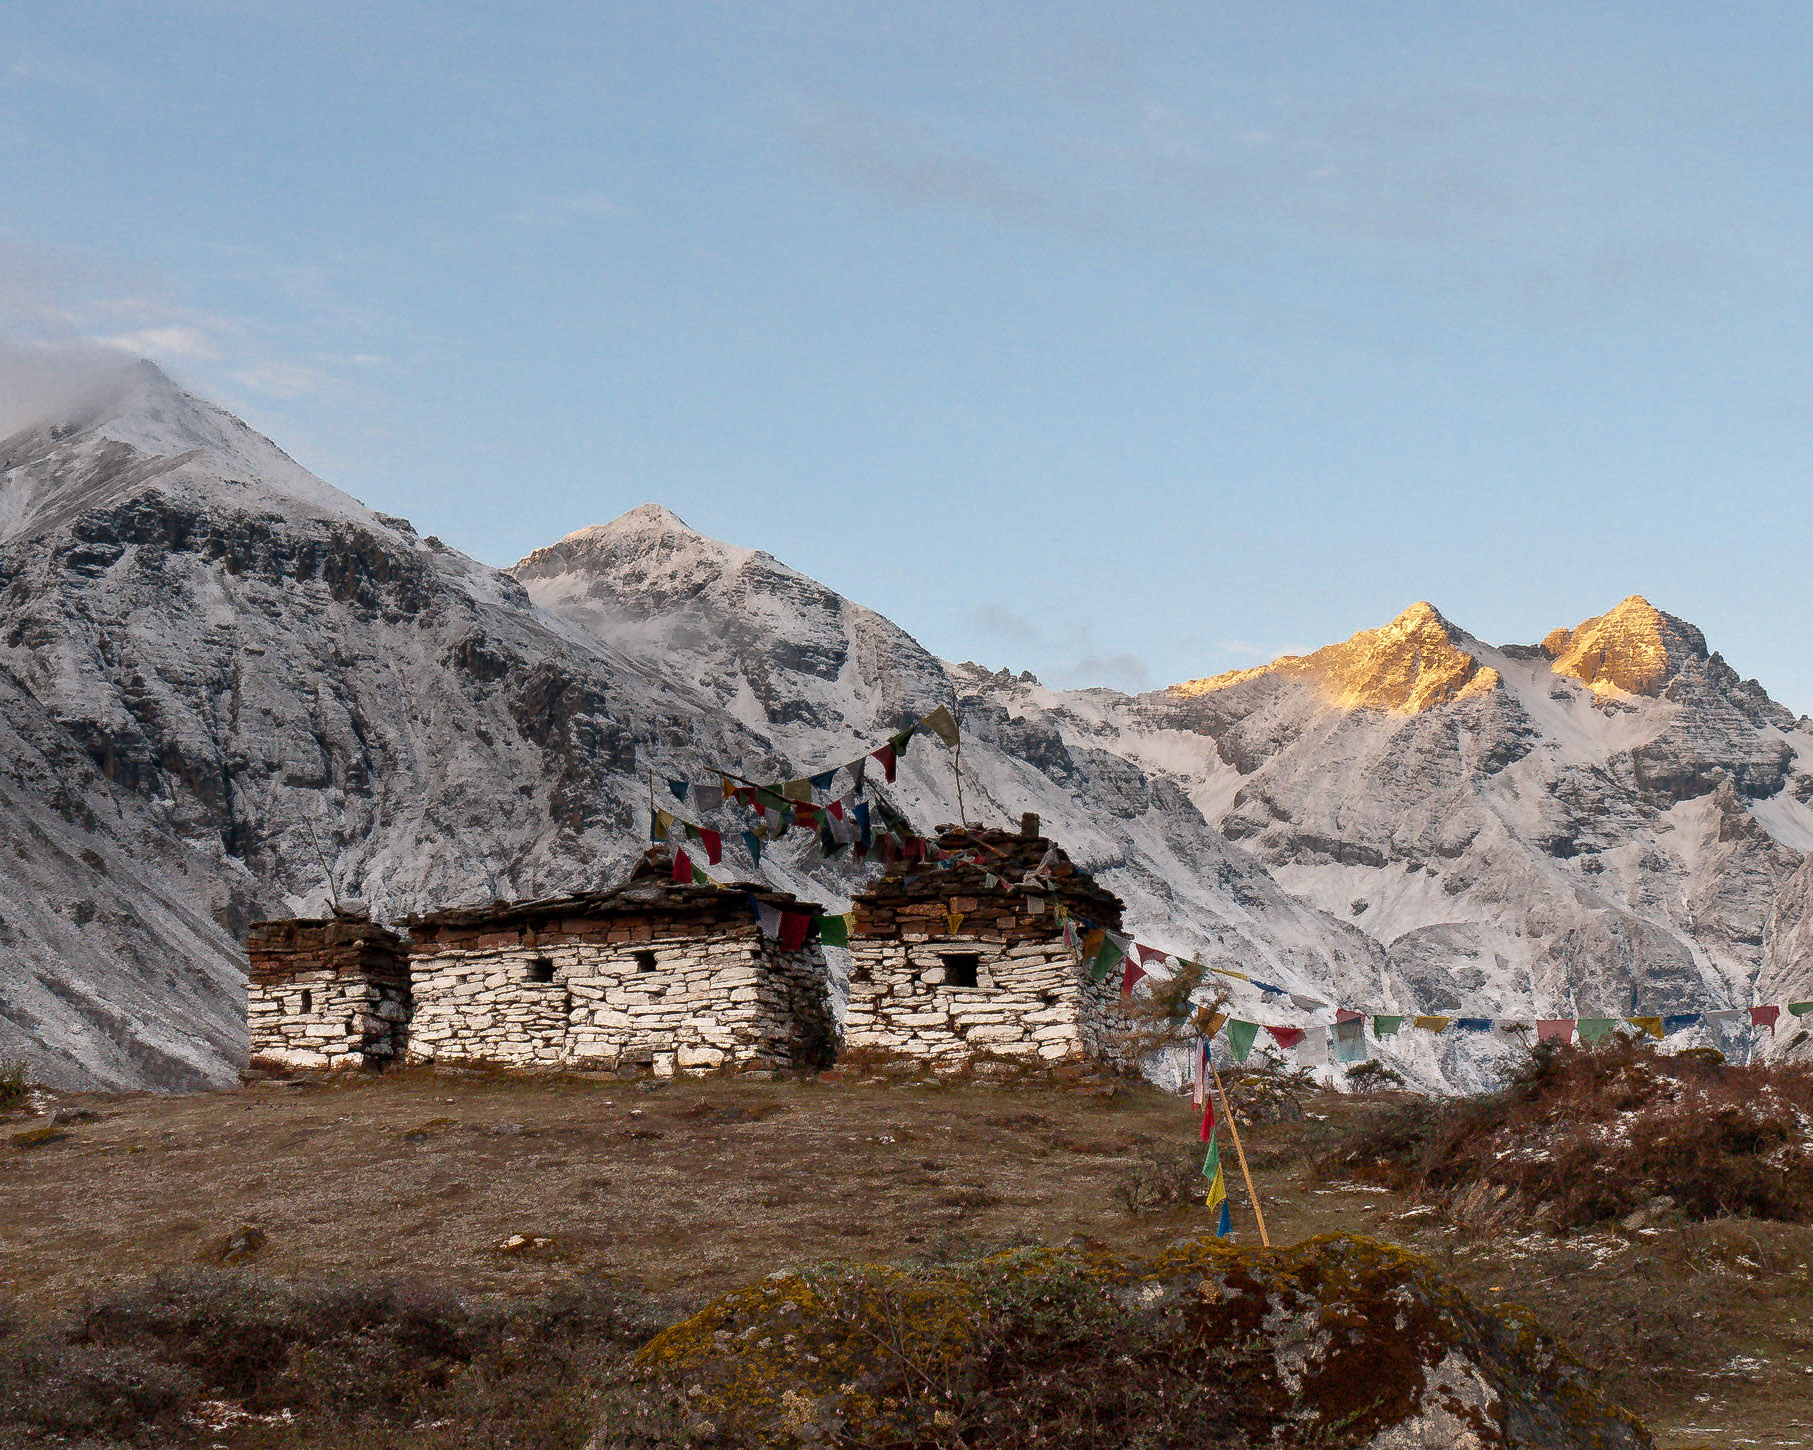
[1412, 664]
[1635, 648]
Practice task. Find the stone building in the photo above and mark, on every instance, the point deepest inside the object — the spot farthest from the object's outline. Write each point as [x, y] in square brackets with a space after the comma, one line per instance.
[945, 966]
[326, 993]
[650, 975]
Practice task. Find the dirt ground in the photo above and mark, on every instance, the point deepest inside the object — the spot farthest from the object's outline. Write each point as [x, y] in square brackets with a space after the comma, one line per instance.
[502, 1184]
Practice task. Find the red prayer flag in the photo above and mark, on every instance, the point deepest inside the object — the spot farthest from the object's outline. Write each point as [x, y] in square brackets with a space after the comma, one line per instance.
[794, 926]
[1764, 1017]
[1554, 1029]
[1208, 1105]
[886, 756]
[1130, 976]
[837, 810]
[1343, 1014]
[1286, 1037]
[914, 850]
[682, 866]
[1150, 954]
[713, 842]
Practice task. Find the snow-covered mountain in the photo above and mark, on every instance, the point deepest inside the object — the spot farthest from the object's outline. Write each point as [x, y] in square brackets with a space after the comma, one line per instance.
[227, 689]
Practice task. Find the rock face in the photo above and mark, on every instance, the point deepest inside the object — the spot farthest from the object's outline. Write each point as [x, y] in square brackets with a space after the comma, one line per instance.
[228, 691]
[1339, 1341]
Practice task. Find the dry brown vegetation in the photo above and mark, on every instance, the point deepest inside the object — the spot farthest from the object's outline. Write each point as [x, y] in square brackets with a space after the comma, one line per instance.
[1584, 1136]
[487, 1210]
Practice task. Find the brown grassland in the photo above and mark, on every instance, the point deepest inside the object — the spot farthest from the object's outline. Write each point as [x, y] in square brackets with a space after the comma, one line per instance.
[455, 1258]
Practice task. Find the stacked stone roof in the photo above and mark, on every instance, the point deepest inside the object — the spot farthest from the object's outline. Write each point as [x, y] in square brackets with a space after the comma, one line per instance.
[912, 897]
[650, 895]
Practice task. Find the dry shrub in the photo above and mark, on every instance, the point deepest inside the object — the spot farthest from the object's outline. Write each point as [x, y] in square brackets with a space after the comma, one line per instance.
[1162, 1179]
[329, 1363]
[15, 1084]
[1584, 1135]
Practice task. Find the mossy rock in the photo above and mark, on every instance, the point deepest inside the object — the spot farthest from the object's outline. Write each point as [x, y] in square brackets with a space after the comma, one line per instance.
[40, 1137]
[1337, 1342]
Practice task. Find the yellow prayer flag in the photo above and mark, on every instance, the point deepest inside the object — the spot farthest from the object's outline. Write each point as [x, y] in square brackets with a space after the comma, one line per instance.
[1209, 1023]
[1651, 1025]
[943, 724]
[1218, 1190]
[1433, 1024]
[954, 920]
[726, 786]
[1225, 972]
[797, 790]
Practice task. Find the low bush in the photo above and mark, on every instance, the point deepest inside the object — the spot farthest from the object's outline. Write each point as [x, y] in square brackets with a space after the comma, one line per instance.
[15, 1084]
[1586, 1135]
[318, 1364]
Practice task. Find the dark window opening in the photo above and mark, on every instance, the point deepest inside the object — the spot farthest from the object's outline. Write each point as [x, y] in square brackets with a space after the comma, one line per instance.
[541, 970]
[960, 968]
[645, 961]
[308, 1001]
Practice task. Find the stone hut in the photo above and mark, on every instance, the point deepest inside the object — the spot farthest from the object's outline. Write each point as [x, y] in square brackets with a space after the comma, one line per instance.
[944, 966]
[326, 993]
[649, 975]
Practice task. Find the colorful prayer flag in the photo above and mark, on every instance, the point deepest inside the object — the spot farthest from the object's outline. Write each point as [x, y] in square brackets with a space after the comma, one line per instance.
[1350, 1038]
[1651, 1025]
[1306, 1004]
[1800, 1009]
[767, 917]
[754, 843]
[682, 866]
[1386, 1026]
[1474, 1024]
[1433, 1024]
[1765, 1017]
[681, 789]
[1555, 1029]
[794, 928]
[1240, 1038]
[1596, 1029]
[797, 790]
[713, 841]
[706, 798]
[1224, 1225]
[1149, 954]
[1130, 977]
[887, 756]
[952, 921]
[1106, 957]
[1285, 1037]
[1679, 1022]
[834, 931]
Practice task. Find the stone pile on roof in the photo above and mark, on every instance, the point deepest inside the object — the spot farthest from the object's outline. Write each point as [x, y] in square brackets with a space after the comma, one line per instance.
[916, 898]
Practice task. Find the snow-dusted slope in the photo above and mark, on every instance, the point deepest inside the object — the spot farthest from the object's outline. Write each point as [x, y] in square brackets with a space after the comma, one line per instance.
[227, 689]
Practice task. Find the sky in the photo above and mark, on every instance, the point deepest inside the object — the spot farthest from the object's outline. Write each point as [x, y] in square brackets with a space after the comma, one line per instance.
[1125, 343]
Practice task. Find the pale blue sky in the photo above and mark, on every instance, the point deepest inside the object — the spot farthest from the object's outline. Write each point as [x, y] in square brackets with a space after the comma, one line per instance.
[1123, 343]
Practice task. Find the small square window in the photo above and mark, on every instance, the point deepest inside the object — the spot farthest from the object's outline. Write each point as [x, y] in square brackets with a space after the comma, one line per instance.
[960, 968]
[308, 1002]
[645, 961]
[541, 970]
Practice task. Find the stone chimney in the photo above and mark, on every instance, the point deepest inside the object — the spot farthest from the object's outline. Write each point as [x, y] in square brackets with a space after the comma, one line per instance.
[1029, 825]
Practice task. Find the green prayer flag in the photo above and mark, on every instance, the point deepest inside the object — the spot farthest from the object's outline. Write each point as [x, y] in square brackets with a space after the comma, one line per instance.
[1240, 1038]
[1800, 1009]
[699, 878]
[1107, 958]
[942, 724]
[1386, 1026]
[834, 931]
[1596, 1029]
[692, 831]
[1211, 1163]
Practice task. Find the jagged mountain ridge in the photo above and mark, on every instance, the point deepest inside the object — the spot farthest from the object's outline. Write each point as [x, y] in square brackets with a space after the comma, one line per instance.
[241, 683]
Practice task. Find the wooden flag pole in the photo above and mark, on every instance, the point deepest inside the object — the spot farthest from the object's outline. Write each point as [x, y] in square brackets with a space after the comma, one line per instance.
[1227, 1109]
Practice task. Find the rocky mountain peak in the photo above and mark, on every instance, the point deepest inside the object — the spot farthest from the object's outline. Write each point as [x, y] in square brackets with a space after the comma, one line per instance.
[1416, 662]
[1635, 648]
[133, 428]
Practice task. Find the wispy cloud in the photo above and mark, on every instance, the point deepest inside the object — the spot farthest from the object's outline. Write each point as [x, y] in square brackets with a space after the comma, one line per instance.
[1003, 623]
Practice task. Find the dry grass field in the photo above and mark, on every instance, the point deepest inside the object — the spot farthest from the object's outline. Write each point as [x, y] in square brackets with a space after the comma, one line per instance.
[516, 1188]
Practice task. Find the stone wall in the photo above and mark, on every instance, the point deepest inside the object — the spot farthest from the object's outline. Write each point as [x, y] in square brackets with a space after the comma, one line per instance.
[332, 993]
[658, 998]
[1026, 1001]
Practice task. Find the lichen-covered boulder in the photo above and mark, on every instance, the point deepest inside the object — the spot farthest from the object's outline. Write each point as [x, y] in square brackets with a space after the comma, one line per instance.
[1337, 1342]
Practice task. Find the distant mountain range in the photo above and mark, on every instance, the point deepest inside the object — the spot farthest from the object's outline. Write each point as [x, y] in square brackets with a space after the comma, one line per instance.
[228, 690]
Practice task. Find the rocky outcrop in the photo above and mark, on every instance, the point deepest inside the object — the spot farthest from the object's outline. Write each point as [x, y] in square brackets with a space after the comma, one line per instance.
[1339, 1341]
